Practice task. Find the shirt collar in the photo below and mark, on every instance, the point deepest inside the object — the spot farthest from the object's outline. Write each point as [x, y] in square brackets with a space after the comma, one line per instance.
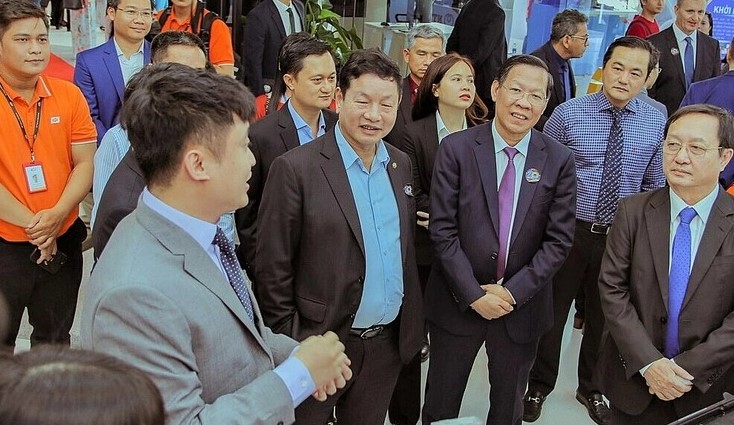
[702, 207]
[442, 129]
[680, 35]
[557, 59]
[282, 7]
[500, 143]
[603, 104]
[119, 50]
[300, 122]
[40, 91]
[202, 231]
[349, 155]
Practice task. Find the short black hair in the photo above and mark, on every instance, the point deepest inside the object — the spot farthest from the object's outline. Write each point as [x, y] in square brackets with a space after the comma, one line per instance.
[174, 106]
[114, 3]
[15, 10]
[369, 61]
[726, 121]
[161, 42]
[529, 60]
[63, 386]
[567, 23]
[632, 42]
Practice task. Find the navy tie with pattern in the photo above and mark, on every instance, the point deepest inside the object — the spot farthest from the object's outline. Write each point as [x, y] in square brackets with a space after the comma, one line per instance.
[234, 272]
[606, 205]
[680, 271]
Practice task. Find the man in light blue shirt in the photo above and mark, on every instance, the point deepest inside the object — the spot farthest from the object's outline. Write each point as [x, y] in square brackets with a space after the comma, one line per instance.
[168, 296]
[337, 218]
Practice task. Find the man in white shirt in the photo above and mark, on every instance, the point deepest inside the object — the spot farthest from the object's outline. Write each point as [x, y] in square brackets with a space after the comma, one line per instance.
[665, 281]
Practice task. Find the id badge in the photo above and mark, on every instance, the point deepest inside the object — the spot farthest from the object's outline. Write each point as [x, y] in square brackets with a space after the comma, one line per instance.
[34, 177]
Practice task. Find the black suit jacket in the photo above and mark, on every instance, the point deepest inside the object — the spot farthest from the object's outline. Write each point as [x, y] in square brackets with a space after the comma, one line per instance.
[546, 53]
[670, 86]
[420, 142]
[270, 137]
[264, 34]
[464, 230]
[479, 33]
[633, 286]
[405, 116]
[119, 198]
[311, 265]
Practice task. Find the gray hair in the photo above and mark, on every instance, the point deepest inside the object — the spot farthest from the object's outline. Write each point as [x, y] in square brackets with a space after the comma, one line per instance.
[425, 31]
[567, 23]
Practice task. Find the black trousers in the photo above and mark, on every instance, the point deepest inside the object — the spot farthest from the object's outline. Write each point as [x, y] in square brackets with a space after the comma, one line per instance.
[364, 400]
[50, 298]
[452, 358]
[659, 412]
[405, 404]
[580, 269]
[57, 12]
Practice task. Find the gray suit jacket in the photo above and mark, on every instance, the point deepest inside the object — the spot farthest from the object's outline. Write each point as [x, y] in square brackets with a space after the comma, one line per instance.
[157, 301]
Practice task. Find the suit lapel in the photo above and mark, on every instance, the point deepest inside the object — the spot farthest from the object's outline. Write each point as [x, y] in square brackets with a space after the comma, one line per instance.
[275, 16]
[113, 67]
[430, 142]
[405, 106]
[717, 229]
[336, 176]
[677, 62]
[487, 165]
[198, 264]
[701, 67]
[557, 82]
[288, 132]
[398, 188]
[146, 53]
[657, 221]
[535, 160]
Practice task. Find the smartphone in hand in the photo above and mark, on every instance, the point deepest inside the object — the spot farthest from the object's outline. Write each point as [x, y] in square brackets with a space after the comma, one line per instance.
[53, 265]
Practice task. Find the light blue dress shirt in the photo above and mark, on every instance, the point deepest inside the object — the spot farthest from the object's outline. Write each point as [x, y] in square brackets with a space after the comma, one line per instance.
[377, 208]
[293, 372]
[303, 129]
[111, 150]
[130, 66]
[698, 224]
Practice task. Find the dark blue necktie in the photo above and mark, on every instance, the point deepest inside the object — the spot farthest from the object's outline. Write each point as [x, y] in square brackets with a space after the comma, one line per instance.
[566, 75]
[680, 271]
[688, 61]
[606, 205]
[234, 272]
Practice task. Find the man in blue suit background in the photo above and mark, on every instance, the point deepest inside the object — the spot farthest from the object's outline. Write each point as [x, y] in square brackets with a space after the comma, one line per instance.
[102, 72]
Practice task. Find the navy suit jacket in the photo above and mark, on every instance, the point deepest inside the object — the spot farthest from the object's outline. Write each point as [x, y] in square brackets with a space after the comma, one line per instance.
[464, 232]
[264, 34]
[670, 86]
[557, 96]
[99, 76]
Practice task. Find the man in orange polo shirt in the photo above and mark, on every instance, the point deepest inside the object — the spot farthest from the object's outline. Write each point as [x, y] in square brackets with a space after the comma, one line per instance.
[46, 156]
[181, 15]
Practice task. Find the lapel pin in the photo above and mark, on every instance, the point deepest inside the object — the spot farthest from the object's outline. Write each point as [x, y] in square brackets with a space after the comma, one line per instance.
[532, 175]
[394, 165]
[408, 189]
[674, 51]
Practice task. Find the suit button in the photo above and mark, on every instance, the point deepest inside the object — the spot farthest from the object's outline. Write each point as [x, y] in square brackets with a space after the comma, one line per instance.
[493, 256]
[280, 423]
[492, 281]
[361, 279]
[352, 316]
[663, 320]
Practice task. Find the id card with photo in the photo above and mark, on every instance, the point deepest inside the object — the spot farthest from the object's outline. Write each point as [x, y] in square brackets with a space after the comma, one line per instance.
[34, 177]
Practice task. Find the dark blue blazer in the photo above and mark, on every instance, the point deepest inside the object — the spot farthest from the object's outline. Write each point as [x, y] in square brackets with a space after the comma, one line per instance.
[464, 231]
[99, 76]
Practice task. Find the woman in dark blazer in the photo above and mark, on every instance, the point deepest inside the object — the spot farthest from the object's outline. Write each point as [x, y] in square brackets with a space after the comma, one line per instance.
[446, 102]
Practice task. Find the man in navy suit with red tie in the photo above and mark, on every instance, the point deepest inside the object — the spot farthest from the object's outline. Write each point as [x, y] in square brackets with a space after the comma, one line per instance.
[502, 221]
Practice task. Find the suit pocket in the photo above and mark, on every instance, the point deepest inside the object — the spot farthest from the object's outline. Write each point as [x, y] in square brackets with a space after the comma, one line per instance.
[314, 311]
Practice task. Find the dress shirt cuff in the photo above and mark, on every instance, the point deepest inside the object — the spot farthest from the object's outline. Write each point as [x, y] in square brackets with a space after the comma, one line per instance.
[500, 282]
[296, 377]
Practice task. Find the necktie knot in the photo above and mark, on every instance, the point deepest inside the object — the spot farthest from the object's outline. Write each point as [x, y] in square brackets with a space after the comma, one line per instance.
[220, 240]
[688, 40]
[510, 152]
[616, 115]
[687, 214]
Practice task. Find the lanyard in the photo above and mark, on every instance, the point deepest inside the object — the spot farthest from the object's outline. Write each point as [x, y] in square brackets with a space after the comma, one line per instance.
[31, 142]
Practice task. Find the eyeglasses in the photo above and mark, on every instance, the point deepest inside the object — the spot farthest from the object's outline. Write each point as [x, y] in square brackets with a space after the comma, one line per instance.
[517, 94]
[581, 37]
[672, 148]
[133, 13]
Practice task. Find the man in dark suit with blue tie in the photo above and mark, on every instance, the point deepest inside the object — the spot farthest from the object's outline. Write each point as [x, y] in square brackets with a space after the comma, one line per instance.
[665, 281]
[502, 223]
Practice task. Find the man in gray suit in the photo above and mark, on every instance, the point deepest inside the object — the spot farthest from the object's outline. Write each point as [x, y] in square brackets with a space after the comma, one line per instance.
[168, 296]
